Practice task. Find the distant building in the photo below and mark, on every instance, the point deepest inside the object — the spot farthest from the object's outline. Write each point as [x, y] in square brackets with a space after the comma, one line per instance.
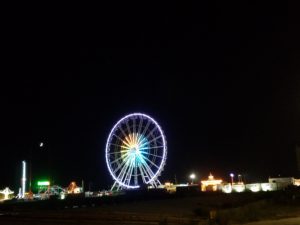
[255, 187]
[282, 182]
[297, 182]
[211, 184]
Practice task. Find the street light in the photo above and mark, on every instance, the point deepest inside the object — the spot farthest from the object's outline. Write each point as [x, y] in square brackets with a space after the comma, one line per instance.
[231, 175]
[192, 176]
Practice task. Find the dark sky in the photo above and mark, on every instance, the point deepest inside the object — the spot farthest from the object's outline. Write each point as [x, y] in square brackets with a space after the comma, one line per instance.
[222, 80]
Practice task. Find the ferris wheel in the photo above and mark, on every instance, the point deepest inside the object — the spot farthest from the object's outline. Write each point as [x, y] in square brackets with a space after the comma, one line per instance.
[136, 151]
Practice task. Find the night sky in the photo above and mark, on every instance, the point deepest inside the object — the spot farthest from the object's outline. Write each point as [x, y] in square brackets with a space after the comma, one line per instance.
[222, 81]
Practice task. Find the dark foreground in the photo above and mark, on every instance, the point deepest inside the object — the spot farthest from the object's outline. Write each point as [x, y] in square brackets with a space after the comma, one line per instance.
[198, 208]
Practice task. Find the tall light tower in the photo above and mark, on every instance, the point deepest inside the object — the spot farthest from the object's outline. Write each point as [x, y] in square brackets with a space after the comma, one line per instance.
[23, 178]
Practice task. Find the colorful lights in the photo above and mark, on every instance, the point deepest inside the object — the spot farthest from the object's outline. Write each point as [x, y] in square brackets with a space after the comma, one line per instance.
[135, 151]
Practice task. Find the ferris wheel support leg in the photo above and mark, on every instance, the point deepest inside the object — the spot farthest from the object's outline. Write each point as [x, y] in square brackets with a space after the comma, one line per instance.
[116, 186]
[112, 187]
[156, 183]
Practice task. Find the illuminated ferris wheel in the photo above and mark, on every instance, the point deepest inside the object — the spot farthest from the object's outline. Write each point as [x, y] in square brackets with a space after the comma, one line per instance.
[136, 151]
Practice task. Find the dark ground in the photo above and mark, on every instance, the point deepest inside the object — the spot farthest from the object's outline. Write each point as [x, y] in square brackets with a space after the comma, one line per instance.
[173, 209]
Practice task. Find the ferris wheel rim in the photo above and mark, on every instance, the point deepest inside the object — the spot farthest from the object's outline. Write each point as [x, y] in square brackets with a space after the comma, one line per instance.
[108, 143]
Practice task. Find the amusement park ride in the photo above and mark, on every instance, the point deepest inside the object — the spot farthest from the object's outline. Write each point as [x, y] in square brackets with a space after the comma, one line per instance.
[136, 152]
[6, 192]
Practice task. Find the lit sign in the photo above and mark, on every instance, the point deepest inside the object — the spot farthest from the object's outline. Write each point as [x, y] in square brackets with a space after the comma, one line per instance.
[43, 183]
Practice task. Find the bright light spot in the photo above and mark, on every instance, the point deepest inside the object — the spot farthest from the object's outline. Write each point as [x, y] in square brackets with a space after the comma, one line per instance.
[133, 149]
[232, 175]
[192, 176]
[41, 144]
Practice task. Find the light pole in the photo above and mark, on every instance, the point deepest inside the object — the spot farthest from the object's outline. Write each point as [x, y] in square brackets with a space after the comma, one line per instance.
[232, 176]
[192, 176]
[24, 178]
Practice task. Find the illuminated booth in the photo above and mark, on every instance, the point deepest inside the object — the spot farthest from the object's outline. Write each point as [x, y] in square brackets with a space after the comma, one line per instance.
[211, 184]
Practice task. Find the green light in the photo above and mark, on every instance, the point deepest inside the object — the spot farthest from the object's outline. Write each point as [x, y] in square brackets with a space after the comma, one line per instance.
[43, 183]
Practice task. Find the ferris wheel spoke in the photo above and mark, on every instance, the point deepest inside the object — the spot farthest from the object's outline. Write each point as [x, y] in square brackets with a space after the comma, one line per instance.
[122, 140]
[146, 127]
[144, 130]
[122, 173]
[129, 173]
[121, 176]
[135, 174]
[152, 154]
[133, 119]
[122, 146]
[150, 170]
[155, 147]
[141, 140]
[123, 132]
[145, 164]
[119, 158]
[152, 163]
[151, 132]
[128, 127]
[147, 171]
[127, 140]
[142, 174]
[133, 138]
[123, 170]
[120, 165]
[154, 139]
[110, 153]
[140, 126]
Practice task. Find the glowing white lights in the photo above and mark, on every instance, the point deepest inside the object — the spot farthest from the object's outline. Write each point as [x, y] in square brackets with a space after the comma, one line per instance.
[238, 187]
[192, 176]
[23, 178]
[136, 151]
[6, 192]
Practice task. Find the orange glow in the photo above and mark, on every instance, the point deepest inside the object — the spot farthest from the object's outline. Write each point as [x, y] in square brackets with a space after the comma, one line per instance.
[211, 184]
